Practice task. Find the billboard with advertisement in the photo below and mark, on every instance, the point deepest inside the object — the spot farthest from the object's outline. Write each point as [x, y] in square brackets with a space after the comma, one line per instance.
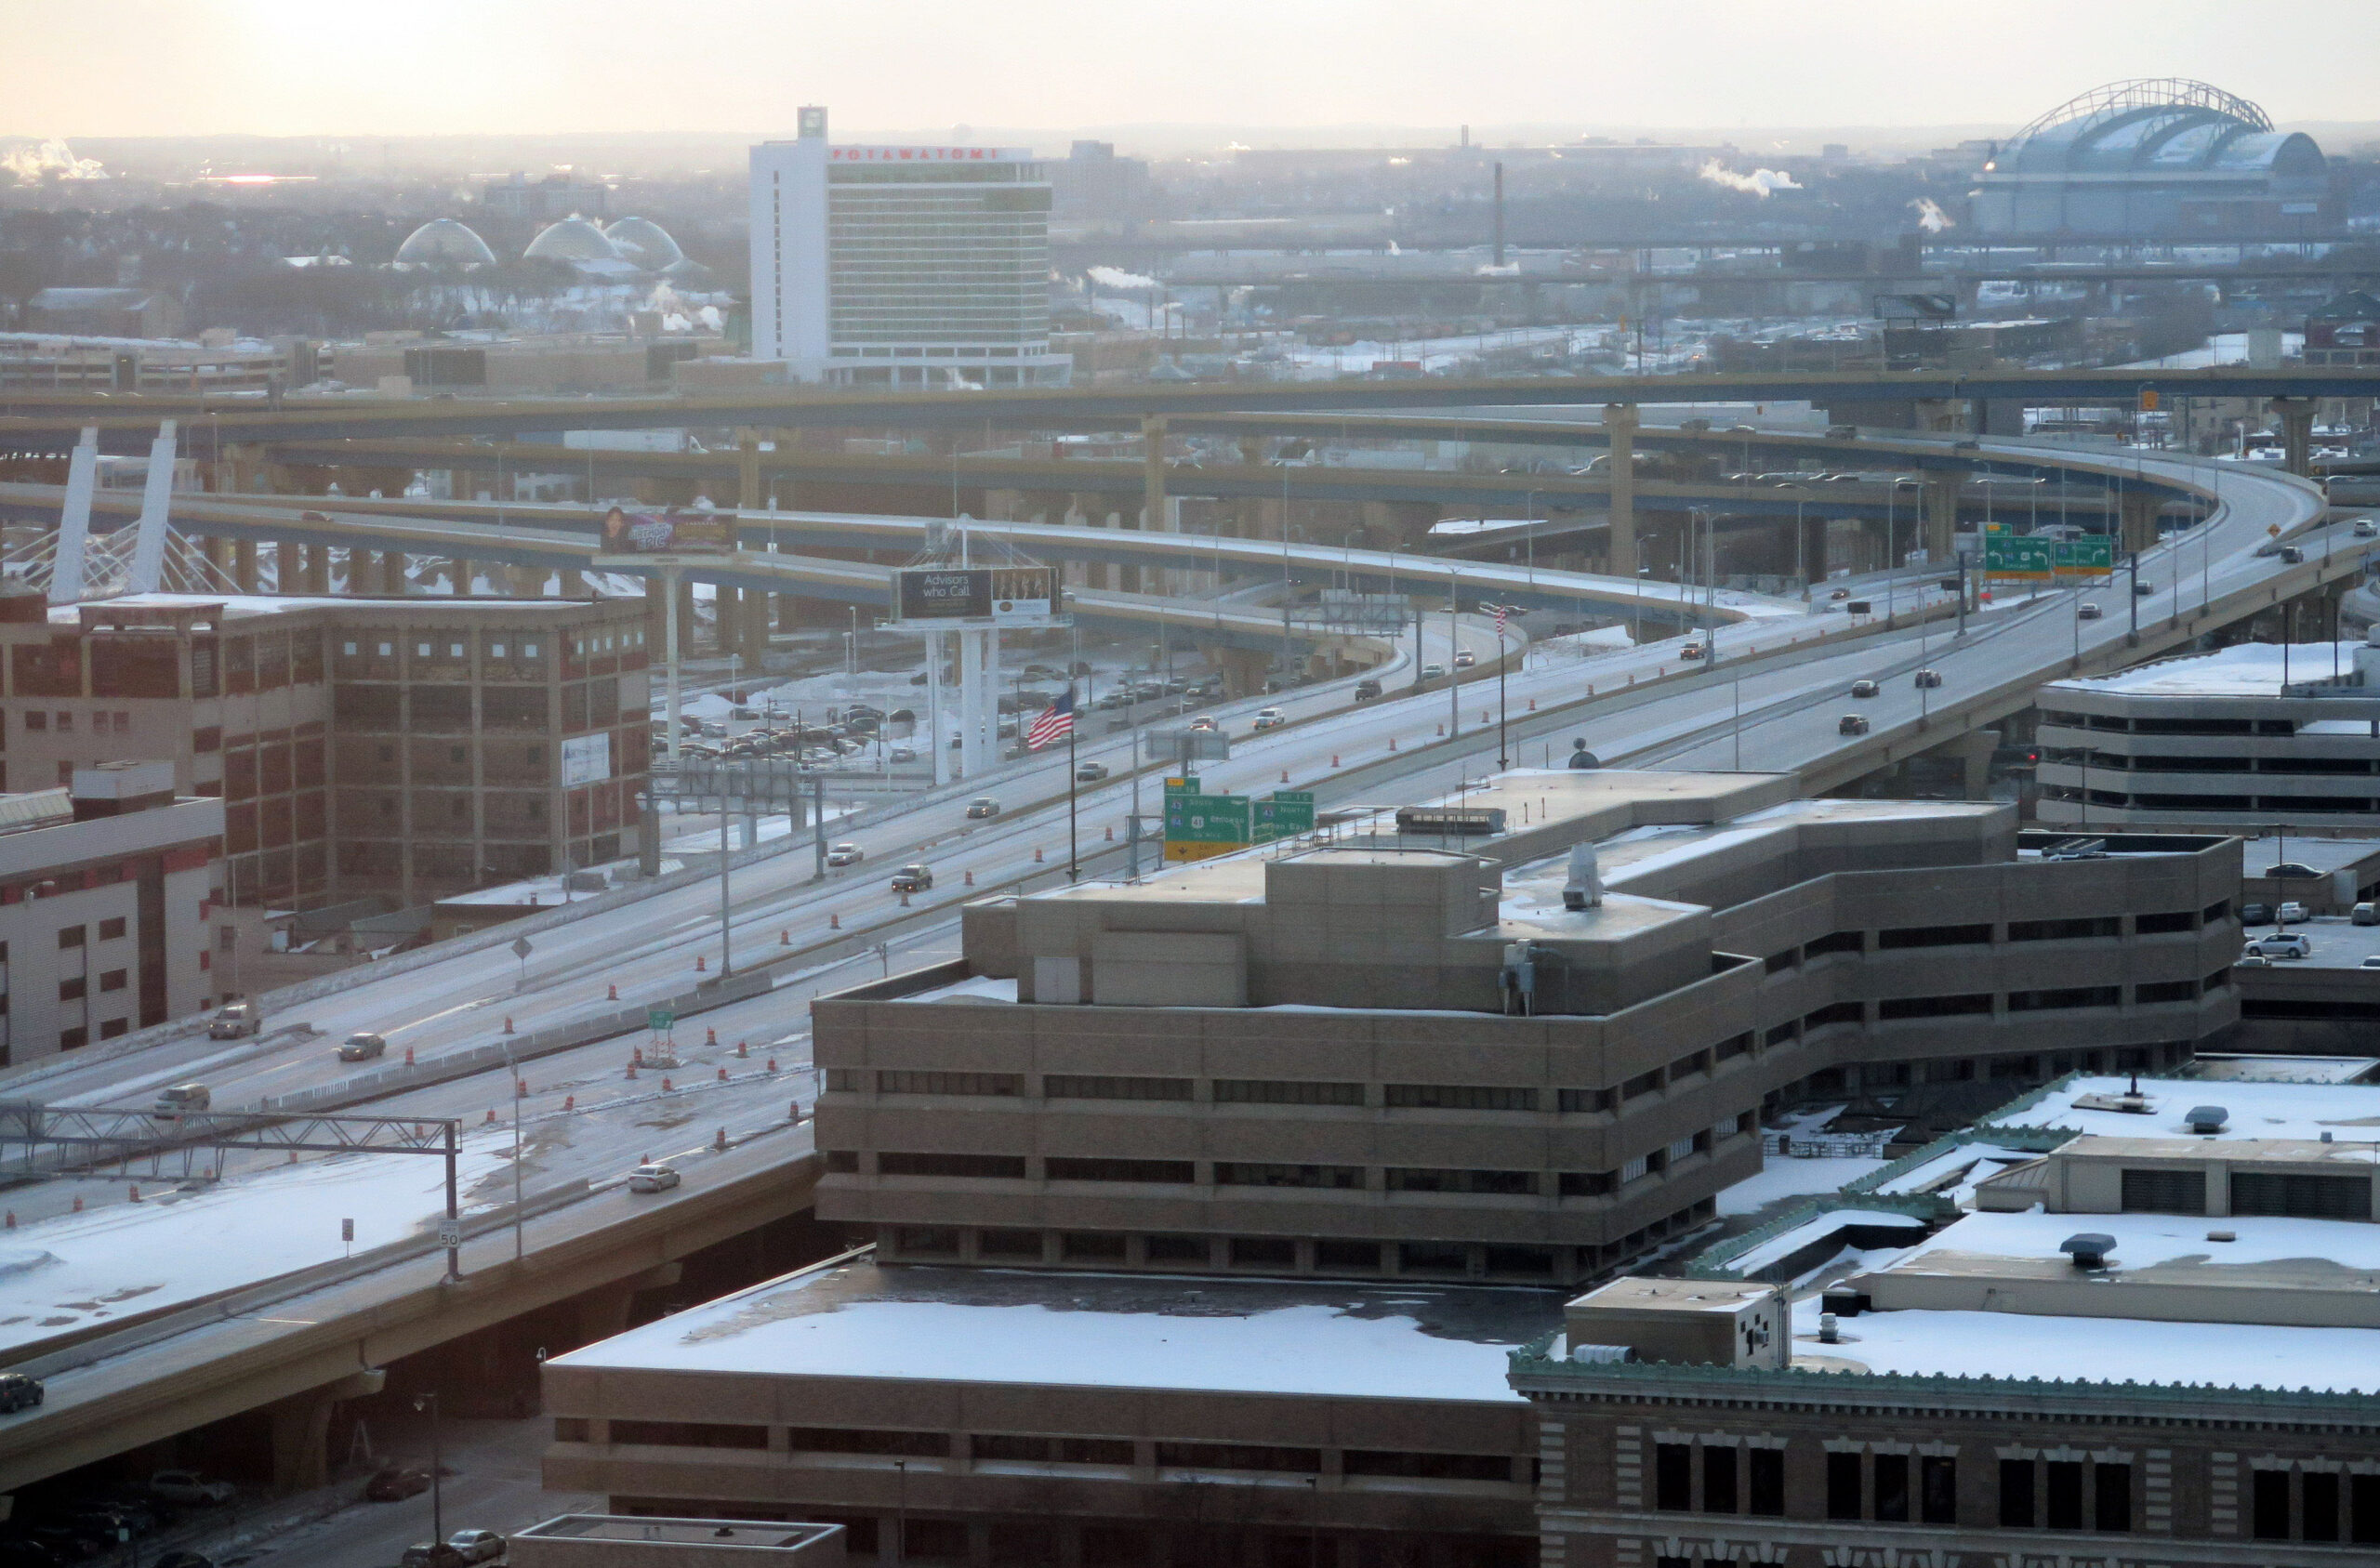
[986, 595]
[670, 532]
[586, 759]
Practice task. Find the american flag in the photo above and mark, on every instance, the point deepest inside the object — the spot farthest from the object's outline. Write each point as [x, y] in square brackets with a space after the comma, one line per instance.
[1055, 723]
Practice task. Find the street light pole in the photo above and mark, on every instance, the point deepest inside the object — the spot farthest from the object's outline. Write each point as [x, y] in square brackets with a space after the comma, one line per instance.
[437, 1488]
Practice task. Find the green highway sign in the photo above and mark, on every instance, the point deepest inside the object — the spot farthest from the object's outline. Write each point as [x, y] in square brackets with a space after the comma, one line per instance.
[659, 1018]
[2092, 554]
[1207, 819]
[1181, 786]
[1288, 813]
[2008, 554]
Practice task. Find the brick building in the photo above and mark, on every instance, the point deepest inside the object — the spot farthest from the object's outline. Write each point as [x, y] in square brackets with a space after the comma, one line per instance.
[406, 747]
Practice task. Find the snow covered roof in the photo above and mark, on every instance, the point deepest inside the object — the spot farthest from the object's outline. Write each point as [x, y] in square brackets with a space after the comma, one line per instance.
[1110, 1331]
[645, 243]
[571, 240]
[2013, 1345]
[2249, 669]
[2349, 1112]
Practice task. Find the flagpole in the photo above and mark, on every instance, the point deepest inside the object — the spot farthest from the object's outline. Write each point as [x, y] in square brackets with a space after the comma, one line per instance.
[1503, 758]
[1074, 851]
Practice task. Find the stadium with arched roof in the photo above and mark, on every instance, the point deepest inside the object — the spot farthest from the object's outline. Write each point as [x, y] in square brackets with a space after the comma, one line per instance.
[2154, 158]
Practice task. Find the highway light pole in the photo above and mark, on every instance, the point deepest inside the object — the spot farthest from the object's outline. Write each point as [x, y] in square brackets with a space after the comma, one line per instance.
[437, 1488]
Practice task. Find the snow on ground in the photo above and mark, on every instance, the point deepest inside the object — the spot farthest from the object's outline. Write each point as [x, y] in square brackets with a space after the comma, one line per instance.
[175, 1247]
[2349, 1112]
[2097, 1350]
[1788, 1178]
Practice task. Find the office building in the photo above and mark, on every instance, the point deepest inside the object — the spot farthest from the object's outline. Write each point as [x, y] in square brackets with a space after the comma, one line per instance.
[406, 747]
[2250, 737]
[2149, 1343]
[1317, 1063]
[901, 266]
[104, 887]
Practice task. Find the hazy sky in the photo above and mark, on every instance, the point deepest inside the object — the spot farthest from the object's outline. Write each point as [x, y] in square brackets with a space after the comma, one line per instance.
[399, 67]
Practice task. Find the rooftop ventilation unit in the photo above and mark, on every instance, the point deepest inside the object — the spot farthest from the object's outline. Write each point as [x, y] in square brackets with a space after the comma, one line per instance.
[1583, 888]
[2207, 1118]
[2088, 1248]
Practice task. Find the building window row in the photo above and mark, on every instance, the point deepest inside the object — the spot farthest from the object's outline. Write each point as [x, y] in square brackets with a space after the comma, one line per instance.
[1257, 1091]
[1284, 1255]
[1473, 1182]
[1040, 1449]
[2313, 1505]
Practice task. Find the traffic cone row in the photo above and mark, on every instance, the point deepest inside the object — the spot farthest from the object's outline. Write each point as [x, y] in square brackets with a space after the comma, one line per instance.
[699, 965]
[135, 1192]
[507, 1023]
[722, 1074]
[611, 994]
[970, 879]
[784, 939]
[408, 1056]
[1392, 743]
[667, 1087]
[743, 1050]
[721, 1141]
[570, 1102]
[773, 1064]
[834, 922]
[1037, 856]
[631, 1072]
[710, 1037]
[490, 1122]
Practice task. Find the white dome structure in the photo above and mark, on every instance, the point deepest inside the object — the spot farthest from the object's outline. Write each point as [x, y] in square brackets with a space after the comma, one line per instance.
[645, 243]
[442, 242]
[574, 240]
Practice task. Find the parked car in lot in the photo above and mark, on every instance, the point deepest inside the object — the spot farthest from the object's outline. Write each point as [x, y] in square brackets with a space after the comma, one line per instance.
[982, 806]
[1864, 688]
[2255, 914]
[18, 1391]
[1851, 724]
[845, 855]
[1090, 773]
[394, 1484]
[1269, 718]
[912, 880]
[2281, 944]
[188, 1489]
[653, 1178]
[361, 1046]
[2290, 913]
[477, 1546]
[234, 1020]
[904, 754]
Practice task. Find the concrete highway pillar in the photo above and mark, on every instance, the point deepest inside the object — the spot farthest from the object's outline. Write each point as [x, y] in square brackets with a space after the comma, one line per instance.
[1813, 549]
[1940, 512]
[656, 625]
[218, 555]
[243, 564]
[748, 470]
[463, 572]
[686, 619]
[2296, 416]
[2139, 526]
[301, 1427]
[392, 573]
[1620, 419]
[727, 612]
[788, 612]
[755, 629]
[1152, 488]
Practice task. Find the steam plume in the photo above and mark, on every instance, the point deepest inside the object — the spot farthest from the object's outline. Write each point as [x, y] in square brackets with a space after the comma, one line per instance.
[1110, 277]
[50, 160]
[1760, 182]
[1931, 218]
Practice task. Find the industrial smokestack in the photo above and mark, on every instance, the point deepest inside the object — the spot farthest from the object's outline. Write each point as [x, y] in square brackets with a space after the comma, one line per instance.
[1500, 213]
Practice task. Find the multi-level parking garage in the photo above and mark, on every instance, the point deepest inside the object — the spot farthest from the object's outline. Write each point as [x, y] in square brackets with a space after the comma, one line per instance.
[1771, 700]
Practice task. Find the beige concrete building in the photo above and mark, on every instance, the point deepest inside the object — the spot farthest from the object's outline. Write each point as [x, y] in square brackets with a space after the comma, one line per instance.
[1407, 1057]
[595, 1540]
[103, 908]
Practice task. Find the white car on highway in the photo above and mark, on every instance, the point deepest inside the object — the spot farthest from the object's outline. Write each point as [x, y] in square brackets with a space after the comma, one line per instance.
[845, 855]
[653, 1178]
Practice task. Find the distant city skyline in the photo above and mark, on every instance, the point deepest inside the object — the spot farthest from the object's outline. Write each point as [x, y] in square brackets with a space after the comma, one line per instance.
[155, 68]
